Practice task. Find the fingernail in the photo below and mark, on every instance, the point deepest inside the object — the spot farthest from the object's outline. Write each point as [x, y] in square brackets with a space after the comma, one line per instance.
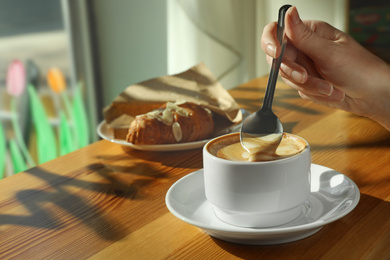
[271, 50]
[325, 88]
[338, 95]
[295, 19]
[298, 76]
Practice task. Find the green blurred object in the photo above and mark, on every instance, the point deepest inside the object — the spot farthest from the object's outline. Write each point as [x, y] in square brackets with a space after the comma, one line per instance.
[66, 141]
[80, 118]
[69, 112]
[18, 162]
[46, 142]
[18, 134]
[2, 152]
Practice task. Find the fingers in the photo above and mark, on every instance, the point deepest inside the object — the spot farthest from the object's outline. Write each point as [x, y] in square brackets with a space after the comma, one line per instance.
[336, 97]
[296, 67]
[293, 72]
[269, 41]
[311, 87]
[316, 90]
[306, 45]
[290, 53]
[312, 37]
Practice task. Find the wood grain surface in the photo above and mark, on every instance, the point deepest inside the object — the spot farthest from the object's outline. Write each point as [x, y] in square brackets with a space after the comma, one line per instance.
[106, 201]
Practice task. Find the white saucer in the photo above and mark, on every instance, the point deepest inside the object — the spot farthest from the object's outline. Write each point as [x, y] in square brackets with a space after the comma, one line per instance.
[333, 195]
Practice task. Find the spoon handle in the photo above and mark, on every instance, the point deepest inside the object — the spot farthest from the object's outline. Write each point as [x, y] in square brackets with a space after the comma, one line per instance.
[273, 76]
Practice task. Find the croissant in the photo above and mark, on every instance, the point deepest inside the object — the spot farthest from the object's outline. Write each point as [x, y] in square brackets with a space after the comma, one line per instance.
[173, 123]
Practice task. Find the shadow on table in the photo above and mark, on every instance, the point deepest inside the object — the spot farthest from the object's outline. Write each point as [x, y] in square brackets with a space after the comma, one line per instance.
[190, 159]
[57, 192]
[283, 98]
[361, 226]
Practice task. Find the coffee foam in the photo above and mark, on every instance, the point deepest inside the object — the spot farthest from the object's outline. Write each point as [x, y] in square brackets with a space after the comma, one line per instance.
[229, 147]
[263, 147]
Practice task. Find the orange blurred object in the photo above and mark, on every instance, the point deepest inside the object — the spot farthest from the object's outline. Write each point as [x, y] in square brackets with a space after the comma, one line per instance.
[56, 80]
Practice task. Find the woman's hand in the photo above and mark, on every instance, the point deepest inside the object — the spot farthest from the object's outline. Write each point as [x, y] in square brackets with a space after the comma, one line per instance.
[328, 67]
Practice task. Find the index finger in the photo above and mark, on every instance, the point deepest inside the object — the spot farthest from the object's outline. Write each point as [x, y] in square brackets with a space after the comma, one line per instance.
[269, 41]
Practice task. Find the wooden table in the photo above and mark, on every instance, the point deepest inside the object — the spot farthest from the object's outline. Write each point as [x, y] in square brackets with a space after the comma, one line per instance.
[108, 202]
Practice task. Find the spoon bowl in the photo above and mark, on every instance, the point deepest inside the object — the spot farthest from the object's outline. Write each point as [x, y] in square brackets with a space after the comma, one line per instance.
[263, 125]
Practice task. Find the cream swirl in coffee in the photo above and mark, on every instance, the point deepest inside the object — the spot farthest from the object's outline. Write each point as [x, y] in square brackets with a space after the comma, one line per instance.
[262, 148]
[229, 147]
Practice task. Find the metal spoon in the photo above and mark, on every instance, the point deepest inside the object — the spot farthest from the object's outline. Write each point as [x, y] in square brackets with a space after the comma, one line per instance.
[264, 122]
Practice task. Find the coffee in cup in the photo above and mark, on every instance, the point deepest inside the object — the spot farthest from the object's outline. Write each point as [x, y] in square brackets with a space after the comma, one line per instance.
[260, 149]
[257, 194]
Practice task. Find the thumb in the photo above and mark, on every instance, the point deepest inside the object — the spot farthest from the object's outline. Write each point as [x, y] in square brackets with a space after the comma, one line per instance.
[307, 40]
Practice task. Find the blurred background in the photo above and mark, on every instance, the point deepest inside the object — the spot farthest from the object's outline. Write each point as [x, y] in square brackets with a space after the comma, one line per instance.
[100, 47]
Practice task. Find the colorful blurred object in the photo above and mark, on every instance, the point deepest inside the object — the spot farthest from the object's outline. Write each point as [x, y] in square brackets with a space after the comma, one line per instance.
[3, 148]
[28, 118]
[57, 83]
[65, 136]
[75, 134]
[16, 78]
[80, 118]
[56, 80]
[18, 162]
[46, 141]
[16, 84]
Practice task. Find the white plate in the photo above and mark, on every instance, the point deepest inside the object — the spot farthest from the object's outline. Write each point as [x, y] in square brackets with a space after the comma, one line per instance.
[106, 133]
[333, 195]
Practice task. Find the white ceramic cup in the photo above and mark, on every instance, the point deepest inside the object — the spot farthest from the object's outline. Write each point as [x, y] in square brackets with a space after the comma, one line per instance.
[257, 194]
